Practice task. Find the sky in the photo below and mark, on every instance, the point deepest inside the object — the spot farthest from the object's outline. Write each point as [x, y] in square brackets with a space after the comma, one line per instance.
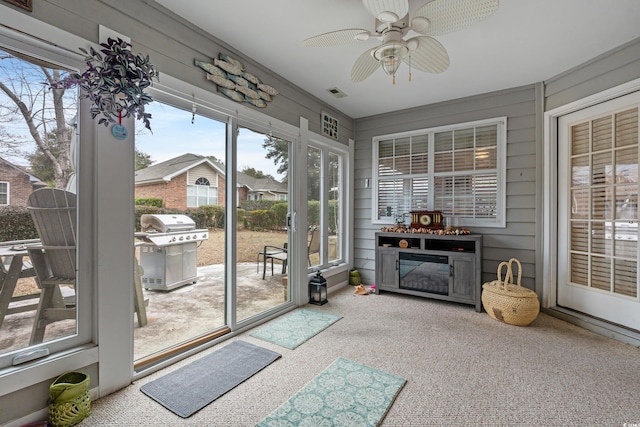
[174, 135]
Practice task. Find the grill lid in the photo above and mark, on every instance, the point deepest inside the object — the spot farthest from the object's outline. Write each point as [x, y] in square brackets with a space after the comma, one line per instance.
[165, 223]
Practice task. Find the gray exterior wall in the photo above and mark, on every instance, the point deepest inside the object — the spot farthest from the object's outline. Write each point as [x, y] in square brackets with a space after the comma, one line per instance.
[518, 238]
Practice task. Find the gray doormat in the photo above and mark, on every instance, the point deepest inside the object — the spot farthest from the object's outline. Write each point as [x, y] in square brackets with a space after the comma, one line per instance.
[192, 387]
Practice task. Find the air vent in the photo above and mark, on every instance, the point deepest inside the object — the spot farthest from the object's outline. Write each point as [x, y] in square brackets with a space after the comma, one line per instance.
[337, 92]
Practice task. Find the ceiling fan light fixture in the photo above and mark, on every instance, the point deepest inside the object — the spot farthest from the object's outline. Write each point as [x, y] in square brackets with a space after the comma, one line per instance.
[390, 57]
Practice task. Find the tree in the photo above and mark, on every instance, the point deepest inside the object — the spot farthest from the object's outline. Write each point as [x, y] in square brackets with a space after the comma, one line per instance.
[255, 173]
[278, 150]
[142, 160]
[47, 114]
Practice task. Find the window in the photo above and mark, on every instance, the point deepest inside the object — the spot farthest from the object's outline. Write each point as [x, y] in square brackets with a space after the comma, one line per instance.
[604, 203]
[459, 170]
[201, 193]
[326, 201]
[23, 69]
[4, 193]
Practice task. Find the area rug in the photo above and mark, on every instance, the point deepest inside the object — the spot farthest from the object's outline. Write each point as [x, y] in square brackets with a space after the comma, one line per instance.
[293, 329]
[192, 387]
[345, 394]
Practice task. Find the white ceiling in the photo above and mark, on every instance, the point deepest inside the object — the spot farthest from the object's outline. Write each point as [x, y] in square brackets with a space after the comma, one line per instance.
[525, 41]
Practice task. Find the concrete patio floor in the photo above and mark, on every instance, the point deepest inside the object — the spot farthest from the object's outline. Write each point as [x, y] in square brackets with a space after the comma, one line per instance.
[175, 316]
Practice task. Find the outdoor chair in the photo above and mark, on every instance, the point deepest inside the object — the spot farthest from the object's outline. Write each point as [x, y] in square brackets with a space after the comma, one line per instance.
[314, 243]
[280, 253]
[54, 214]
[272, 253]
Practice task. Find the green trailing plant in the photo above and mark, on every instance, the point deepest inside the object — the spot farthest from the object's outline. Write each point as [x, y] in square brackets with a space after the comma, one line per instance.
[115, 81]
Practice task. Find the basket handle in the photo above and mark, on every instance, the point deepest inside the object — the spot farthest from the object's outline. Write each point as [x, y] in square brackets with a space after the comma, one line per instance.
[515, 260]
[508, 274]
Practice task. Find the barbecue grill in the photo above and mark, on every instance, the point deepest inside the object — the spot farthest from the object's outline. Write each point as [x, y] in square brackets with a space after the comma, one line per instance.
[168, 253]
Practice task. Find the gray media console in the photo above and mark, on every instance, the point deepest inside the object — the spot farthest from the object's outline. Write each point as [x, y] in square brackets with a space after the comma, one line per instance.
[446, 267]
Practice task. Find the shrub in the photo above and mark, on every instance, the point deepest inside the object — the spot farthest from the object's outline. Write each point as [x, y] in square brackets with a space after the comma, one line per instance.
[260, 219]
[313, 212]
[257, 205]
[280, 211]
[148, 201]
[16, 224]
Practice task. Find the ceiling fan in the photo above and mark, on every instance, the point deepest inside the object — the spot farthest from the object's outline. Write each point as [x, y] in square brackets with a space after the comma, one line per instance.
[392, 24]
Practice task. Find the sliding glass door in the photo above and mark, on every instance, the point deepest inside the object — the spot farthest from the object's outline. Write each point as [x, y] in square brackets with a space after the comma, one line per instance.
[212, 228]
[180, 220]
[262, 232]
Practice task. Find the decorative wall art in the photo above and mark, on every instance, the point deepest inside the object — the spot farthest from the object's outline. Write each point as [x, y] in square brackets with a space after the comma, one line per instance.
[25, 4]
[329, 126]
[232, 80]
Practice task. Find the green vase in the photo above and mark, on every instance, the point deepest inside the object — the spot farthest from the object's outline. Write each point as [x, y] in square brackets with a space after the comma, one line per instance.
[69, 400]
[354, 278]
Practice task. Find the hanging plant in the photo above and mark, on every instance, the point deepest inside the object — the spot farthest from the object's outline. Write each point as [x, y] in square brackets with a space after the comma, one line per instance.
[115, 81]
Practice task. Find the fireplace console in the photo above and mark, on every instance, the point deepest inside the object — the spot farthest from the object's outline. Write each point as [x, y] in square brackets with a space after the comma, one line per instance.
[446, 267]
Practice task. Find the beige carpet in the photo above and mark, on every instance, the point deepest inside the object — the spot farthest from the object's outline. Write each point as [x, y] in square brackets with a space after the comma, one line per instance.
[461, 367]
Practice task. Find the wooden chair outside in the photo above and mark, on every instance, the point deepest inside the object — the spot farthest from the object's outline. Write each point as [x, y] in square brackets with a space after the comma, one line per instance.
[314, 243]
[54, 214]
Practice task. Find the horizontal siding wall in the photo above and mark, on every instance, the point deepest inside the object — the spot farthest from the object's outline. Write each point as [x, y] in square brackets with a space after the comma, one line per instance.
[606, 71]
[173, 43]
[518, 238]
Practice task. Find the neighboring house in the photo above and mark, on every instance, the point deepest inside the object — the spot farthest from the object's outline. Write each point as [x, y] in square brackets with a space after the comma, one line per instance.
[190, 180]
[16, 184]
[186, 181]
[261, 188]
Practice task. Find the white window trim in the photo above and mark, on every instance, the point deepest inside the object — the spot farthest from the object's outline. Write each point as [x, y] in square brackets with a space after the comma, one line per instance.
[326, 146]
[8, 193]
[501, 167]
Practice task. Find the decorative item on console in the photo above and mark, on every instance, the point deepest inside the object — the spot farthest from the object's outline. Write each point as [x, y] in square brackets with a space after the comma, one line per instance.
[449, 231]
[426, 219]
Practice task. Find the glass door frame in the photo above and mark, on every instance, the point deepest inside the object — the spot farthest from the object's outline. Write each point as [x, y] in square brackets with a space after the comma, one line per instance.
[182, 95]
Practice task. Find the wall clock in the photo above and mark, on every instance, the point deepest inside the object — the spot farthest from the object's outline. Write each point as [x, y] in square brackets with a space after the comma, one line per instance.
[426, 219]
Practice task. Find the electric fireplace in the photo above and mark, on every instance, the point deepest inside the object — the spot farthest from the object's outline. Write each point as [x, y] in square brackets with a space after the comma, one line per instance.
[424, 272]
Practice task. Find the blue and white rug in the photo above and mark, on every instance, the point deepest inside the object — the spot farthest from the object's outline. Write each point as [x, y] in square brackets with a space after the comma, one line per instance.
[346, 393]
[293, 329]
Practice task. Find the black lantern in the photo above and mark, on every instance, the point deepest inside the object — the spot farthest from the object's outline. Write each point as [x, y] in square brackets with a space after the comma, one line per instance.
[318, 289]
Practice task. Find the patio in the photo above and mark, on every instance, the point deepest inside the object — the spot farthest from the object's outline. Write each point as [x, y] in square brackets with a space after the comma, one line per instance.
[174, 316]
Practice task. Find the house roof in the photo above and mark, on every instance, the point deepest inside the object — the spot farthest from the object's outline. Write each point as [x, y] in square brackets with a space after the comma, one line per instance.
[266, 185]
[34, 180]
[167, 170]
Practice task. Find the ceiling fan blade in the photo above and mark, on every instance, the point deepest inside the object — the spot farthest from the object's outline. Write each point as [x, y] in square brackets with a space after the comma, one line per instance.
[335, 38]
[384, 10]
[364, 66]
[429, 56]
[447, 16]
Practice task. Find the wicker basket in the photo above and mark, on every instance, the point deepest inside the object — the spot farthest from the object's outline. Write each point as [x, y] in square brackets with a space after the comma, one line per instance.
[508, 302]
[69, 400]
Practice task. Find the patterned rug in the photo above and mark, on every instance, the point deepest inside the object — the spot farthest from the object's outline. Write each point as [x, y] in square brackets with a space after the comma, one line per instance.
[345, 394]
[293, 329]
